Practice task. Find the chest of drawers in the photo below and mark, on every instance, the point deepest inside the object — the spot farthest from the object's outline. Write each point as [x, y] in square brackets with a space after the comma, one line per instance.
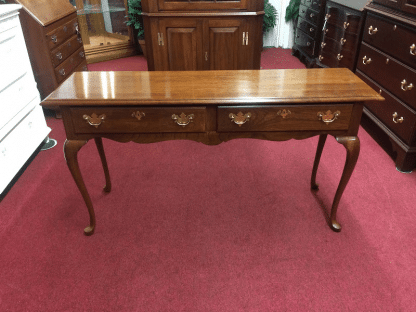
[53, 41]
[22, 123]
[387, 62]
[308, 30]
[341, 34]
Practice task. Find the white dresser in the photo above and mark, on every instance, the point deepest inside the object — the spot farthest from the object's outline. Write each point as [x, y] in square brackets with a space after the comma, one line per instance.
[22, 122]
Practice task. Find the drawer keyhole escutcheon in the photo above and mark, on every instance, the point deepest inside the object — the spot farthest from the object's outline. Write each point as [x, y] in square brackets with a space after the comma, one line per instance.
[328, 117]
[405, 86]
[372, 31]
[94, 120]
[413, 49]
[395, 120]
[366, 60]
[183, 120]
[284, 113]
[139, 115]
[240, 118]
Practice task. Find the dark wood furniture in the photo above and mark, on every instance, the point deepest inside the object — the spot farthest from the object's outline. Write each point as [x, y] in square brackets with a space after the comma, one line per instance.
[203, 35]
[308, 31]
[51, 32]
[212, 107]
[387, 62]
[341, 34]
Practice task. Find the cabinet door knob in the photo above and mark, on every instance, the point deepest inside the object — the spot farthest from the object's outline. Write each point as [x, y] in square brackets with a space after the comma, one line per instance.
[405, 86]
[372, 31]
[413, 49]
[367, 60]
[395, 120]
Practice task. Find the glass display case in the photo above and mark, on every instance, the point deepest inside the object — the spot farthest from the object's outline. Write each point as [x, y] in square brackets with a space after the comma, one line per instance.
[103, 29]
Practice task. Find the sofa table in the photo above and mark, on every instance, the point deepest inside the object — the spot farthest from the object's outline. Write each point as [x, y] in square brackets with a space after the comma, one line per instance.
[212, 107]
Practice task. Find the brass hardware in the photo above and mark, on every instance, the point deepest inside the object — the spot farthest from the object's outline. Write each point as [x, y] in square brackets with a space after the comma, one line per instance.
[413, 49]
[380, 91]
[328, 117]
[343, 41]
[308, 44]
[326, 30]
[240, 118]
[76, 28]
[284, 113]
[395, 120]
[79, 39]
[387, 61]
[327, 16]
[346, 25]
[183, 120]
[339, 57]
[54, 38]
[94, 120]
[321, 57]
[139, 115]
[206, 56]
[323, 44]
[244, 37]
[160, 39]
[372, 31]
[246, 43]
[311, 15]
[394, 27]
[408, 87]
[62, 72]
[82, 54]
[59, 56]
[366, 60]
[311, 29]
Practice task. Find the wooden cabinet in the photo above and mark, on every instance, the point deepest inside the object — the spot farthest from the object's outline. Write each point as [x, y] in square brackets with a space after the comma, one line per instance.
[22, 123]
[200, 40]
[341, 33]
[308, 30]
[52, 38]
[408, 6]
[387, 62]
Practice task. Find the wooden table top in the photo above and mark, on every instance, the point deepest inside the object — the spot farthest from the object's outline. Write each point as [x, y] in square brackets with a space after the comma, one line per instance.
[289, 86]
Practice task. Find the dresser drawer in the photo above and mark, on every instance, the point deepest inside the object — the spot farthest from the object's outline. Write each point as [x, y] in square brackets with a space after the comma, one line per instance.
[62, 52]
[342, 19]
[345, 39]
[307, 27]
[282, 118]
[60, 34]
[138, 119]
[400, 119]
[68, 66]
[336, 58]
[308, 14]
[392, 38]
[389, 73]
[313, 4]
[305, 42]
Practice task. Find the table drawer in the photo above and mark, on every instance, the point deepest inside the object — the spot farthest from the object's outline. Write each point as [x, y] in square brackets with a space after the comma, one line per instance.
[283, 118]
[391, 37]
[138, 119]
[400, 80]
[57, 36]
[392, 112]
[68, 66]
[61, 53]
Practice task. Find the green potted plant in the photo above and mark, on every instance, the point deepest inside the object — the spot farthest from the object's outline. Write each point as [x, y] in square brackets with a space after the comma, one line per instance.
[270, 16]
[135, 20]
[292, 11]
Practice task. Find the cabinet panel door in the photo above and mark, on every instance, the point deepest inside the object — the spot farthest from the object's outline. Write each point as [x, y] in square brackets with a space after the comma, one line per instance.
[201, 5]
[225, 39]
[182, 44]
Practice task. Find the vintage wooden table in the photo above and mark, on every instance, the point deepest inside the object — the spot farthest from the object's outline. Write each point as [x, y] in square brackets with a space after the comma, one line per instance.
[211, 107]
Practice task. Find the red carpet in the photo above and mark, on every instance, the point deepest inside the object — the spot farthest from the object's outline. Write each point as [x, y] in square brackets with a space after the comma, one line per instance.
[189, 227]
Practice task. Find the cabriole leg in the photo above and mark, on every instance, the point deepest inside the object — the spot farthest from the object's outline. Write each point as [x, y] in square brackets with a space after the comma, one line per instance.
[321, 143]
[99, 143]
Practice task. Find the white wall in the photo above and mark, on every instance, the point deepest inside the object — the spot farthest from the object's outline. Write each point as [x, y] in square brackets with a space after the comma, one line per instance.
[282, 35]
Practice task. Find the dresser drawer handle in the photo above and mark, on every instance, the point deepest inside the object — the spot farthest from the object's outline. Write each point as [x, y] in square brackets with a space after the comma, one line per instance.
[94, 120]
[346, 25]
[343, 41]
[311, 29]
[395, 120]
[62, 72]
[323, 44]
[54, 39]
[328, 117]
[367, 60]
[79, 39]
[139, 115]
[183, 120]
[76, 28]
[372, 31]
[59, 56]
[326, 30]
[327, 16]
[339, 57]
[82, 54]
[321, 57]
[240, 118]
[413, 49]
[405, 86]
[311, 15]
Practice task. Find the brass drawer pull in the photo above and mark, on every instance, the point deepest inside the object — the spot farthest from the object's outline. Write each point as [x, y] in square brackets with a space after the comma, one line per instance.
[94, 120]
[62, 72]
[311, 15]
[327, 16]
[328, 117]
[284, 113]
[366, 60]
[240, 118]
[321, 57]
[323, 44]
[413, 49]
[76, 28]
[405, 86]
[311, 29]
[372, 31]
[346, 25]
[82, 54]
[339, 57]
[395, 120]
[59, 56]
[54, 38]
[183, 120]
[139, 115]
[326, 30]
[343, 41]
